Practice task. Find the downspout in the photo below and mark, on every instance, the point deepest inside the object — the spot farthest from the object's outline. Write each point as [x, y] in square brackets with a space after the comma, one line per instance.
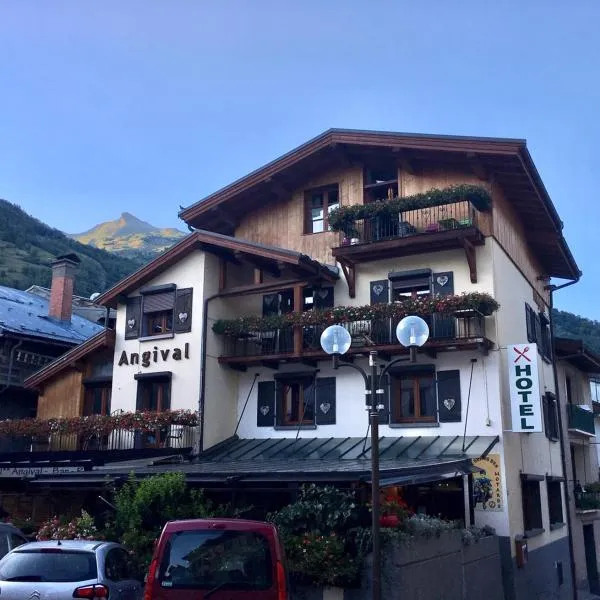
[202, 396]
[563, 454]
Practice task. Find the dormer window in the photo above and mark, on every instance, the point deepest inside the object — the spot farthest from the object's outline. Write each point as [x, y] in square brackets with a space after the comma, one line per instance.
[318, 204]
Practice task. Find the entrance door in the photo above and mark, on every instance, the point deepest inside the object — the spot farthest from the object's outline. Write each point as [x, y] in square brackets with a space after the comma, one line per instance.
[590, 558]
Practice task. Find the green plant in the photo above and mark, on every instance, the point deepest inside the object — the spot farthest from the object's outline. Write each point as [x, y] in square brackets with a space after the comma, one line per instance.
[144, 506]
[79, 528]
[344, 218]
[422, 305]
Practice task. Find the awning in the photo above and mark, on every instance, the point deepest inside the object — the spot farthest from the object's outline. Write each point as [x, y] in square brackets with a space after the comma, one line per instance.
[252, 461]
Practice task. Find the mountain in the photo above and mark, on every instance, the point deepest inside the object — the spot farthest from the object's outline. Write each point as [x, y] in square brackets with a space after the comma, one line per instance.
[129, 236]
[28, 246]
[568, 325]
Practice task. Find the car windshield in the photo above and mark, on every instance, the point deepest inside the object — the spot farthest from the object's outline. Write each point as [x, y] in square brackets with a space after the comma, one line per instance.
[54, 566]
[210, 559]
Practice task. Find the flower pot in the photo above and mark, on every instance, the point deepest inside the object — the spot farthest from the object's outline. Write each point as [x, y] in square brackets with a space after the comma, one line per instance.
[345, 241]
[389, 521]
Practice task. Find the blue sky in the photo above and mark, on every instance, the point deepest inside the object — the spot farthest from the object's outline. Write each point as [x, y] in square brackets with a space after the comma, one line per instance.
[146, 105]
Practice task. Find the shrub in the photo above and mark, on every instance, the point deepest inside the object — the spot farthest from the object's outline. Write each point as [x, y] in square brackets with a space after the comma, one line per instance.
[79, 528]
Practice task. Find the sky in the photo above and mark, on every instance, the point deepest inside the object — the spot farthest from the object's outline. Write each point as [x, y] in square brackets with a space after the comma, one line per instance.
[146, 105]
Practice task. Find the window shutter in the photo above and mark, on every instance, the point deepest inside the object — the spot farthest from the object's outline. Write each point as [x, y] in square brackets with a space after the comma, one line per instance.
[323, 297]
[270, 305]
[529, 319]
[443, 283]
[380, 291]
[265, 404]
[545, 413]
[538, 331]
[448, 394]
[133, 316]
[183, 310]
[158, 302]
[444, 327]
[384, 413]
[325, 401]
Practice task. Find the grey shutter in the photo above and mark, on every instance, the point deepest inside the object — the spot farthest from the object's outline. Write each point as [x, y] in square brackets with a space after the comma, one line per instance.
[545, 413]
[323, 297]
[265, 404]
[270, 305]
[158, 302]
[325, 401]
[133, 317]
[380, 291]
[444, 326]
[183, 310]
[448, 394]
[538, 331]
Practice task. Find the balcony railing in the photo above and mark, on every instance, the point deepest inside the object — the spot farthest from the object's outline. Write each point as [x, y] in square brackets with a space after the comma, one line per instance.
[587, 500]
[465, 325]
[580, 419]
[422, 221]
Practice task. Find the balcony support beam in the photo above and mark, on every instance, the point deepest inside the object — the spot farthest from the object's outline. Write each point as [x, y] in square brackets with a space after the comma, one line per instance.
[471, 259]
[348, 269]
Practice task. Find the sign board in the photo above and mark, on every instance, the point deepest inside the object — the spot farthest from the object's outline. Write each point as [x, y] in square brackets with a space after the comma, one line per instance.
[487, 486]
[524, 387]
[20, 472]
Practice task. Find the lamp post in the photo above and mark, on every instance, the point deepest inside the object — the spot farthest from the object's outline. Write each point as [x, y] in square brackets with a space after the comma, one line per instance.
[411, 332]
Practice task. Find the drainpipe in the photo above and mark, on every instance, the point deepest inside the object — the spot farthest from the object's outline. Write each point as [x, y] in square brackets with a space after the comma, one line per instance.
[563, 452]
[202, 397]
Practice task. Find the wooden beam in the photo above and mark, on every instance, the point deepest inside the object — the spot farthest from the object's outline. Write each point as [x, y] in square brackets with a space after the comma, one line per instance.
[471, 259]
[258, 276]
[350, 275]
[477, 166]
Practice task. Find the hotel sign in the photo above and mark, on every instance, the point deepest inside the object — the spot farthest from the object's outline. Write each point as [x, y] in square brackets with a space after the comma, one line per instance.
[524, 388]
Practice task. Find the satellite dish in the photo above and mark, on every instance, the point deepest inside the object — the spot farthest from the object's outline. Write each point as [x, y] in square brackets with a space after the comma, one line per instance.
[94, 296]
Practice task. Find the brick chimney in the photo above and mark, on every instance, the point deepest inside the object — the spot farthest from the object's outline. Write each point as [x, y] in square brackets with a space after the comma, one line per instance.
[61, 292]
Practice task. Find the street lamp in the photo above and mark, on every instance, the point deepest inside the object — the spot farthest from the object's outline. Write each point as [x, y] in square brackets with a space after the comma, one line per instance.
[411, 332]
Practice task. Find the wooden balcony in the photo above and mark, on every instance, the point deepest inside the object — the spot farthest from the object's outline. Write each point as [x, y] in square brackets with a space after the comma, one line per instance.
[419, 231]
[463, 330]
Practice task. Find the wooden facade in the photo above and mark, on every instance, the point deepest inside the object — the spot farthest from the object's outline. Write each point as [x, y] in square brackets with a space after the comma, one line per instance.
[63, 396]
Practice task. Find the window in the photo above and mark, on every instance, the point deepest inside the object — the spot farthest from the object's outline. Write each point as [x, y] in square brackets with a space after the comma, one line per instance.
[213, 559]
[154, 394]
[532, 504]
[410, 284]
[117, 565]
[158, 313]
[595, 388]
[555, 502]
[296, 402]
[413, 397]
[97, 399]
[550, 410]
[51, 567]
[318, 204]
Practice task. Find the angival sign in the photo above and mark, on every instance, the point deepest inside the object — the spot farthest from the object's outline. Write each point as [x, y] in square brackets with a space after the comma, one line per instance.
[524, 388]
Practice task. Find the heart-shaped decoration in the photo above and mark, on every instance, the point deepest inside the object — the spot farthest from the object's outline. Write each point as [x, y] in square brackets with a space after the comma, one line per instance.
[325, 407]
[182, 317]
[449, 403]
[131, 323]
[323, 293]
[377, 289]
[264, 410]
[442, 280]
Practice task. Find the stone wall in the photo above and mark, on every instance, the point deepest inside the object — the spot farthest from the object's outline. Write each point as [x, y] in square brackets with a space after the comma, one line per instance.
[428, 569]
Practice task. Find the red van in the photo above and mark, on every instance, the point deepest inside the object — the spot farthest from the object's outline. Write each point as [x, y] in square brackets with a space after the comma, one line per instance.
[224, 559]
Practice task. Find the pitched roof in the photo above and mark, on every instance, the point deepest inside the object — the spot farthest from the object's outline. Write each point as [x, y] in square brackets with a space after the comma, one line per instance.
[22, 313]
[220, 244]
[508, 159]
[104, 339]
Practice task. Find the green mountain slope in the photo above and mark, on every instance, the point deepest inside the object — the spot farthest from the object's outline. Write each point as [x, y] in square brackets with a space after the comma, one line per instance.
[568, 325]
[129, 236]
[28, 246]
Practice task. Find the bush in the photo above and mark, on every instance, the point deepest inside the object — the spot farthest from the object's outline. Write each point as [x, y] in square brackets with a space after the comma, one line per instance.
[80, 528]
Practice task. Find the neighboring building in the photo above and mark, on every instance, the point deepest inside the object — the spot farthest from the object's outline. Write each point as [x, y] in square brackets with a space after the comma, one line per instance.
[274, 412]
[576, 366]
[33, 332]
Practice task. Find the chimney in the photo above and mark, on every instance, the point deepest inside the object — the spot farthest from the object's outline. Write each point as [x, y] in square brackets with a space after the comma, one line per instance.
[61, 292]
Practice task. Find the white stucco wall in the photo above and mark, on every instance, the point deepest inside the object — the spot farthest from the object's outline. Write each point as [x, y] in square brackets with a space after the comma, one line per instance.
[185, 383]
